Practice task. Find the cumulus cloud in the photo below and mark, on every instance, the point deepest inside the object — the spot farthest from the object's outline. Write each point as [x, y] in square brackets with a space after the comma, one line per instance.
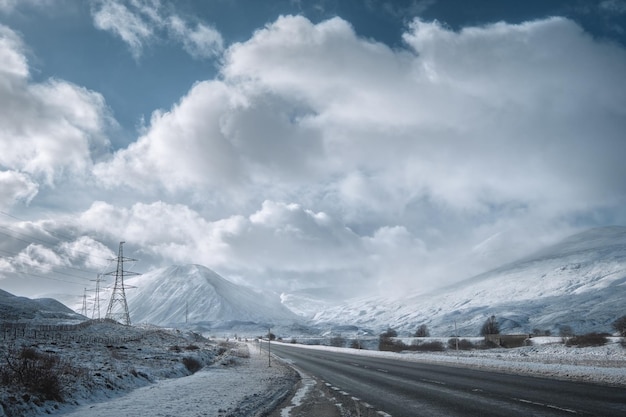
[14, 187]
[140, 23]
[50, 129]
[456, 137]
[437, 119]
[279, 246]
[317, 157]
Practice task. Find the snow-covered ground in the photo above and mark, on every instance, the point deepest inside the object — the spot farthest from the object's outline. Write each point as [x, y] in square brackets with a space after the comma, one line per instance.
[106, 369]
[121, 370]
[250, 386]
[546, 357]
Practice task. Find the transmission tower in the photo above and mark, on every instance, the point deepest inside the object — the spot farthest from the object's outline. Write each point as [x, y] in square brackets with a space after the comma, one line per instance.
[118, 308]
[83, 310]
[95, 314]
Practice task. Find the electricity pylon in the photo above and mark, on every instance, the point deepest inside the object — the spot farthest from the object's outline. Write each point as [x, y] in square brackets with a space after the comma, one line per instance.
[83, 310]
[95, 314]
[118, 297]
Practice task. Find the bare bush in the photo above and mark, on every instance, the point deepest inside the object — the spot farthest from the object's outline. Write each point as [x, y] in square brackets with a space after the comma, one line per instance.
[462, 344]
[432, 346]
[193, 365]
[422, 331]
[37, 373]
[589, 339]
[491, 326]
[338, 341]
[356, 344]
[387, 344]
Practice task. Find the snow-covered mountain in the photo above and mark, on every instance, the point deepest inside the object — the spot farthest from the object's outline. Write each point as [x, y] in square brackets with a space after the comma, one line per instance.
[197, 295]
[14, 309]
[580, 282]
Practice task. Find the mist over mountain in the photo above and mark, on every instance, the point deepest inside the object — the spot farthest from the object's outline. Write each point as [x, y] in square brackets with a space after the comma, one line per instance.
[579, 282]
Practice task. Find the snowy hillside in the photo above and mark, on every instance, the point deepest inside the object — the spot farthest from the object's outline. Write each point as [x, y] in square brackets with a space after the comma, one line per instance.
[580, 282]
[196, 294]
[14, 308]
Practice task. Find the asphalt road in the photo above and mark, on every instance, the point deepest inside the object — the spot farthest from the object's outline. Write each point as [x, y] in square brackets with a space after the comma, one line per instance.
[401, 388]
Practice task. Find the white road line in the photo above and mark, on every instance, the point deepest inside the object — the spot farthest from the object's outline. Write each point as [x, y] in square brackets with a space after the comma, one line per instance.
[567, 410]
[432, 381]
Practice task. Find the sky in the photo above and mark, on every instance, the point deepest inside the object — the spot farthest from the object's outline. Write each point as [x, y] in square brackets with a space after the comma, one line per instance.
[367, 146]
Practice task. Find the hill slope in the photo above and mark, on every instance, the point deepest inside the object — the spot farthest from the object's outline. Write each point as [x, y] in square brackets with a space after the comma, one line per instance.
[171, 295]
[14, 308]
[580, 282]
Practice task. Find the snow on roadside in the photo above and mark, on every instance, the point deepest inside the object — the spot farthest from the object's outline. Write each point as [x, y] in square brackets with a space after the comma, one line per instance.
[243, 390]
[602, 364]
[100, 364]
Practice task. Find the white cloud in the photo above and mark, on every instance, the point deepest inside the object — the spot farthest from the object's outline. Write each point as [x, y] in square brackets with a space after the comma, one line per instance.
[200, 42]
[456, 137]
[318, 157]
[130, 27]
[458, 117]
[49, 129]
[14, 187]
[140, 23]
[13, 64]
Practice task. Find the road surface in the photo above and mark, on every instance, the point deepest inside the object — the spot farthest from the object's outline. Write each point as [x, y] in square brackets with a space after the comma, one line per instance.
[400, 388]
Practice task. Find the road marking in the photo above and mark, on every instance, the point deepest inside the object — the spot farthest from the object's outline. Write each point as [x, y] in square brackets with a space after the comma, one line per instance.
[567, 410]
[432, 381]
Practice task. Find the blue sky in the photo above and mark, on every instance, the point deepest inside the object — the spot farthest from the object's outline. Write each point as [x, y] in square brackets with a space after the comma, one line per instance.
[292, 144]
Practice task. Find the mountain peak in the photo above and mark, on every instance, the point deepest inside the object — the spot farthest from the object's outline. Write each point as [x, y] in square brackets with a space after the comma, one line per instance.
[196, 294]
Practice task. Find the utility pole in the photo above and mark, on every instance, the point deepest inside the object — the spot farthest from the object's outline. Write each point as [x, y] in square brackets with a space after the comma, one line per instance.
[118, 297]
[456, 340]
[269, 346]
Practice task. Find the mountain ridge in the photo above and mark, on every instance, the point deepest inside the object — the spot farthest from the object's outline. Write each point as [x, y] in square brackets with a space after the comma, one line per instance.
[579, 282]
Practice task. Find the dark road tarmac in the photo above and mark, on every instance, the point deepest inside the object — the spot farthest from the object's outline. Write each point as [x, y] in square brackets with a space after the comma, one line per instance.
[400, 388]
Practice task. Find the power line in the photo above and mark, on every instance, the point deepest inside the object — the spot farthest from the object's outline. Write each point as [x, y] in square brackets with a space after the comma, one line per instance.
[46, 244]
[58, 236]
[55, 234]
[55, 269]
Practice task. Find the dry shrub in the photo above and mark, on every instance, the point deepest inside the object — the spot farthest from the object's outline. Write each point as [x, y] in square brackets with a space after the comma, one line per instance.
[463, 344]
[193, 365]
[432, 346]
[589, 339]
[37, 373]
